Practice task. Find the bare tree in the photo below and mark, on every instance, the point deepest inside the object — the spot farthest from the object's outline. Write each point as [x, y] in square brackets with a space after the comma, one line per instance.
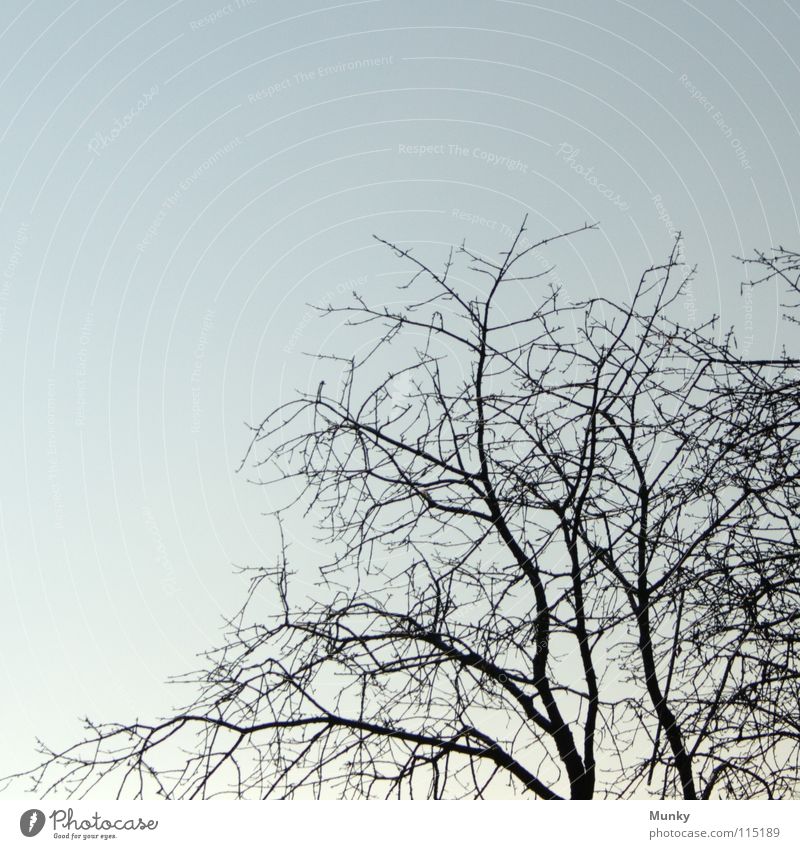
[563, 563]
[778, 265]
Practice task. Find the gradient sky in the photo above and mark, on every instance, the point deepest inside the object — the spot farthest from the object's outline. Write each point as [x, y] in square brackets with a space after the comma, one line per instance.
[179, 181]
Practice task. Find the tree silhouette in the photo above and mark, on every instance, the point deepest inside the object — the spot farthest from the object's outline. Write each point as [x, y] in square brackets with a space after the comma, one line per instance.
[562, 563]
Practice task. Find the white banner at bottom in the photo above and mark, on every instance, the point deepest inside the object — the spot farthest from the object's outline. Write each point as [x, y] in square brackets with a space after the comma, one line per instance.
[392, 824]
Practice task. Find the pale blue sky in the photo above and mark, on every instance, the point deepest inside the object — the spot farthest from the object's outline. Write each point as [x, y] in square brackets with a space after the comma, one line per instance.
[179, 181]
